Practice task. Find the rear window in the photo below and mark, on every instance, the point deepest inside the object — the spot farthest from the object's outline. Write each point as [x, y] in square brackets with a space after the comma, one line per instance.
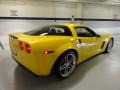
[58, 30]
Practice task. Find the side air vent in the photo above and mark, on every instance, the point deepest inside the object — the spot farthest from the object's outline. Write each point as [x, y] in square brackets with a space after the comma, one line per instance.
[103, 44]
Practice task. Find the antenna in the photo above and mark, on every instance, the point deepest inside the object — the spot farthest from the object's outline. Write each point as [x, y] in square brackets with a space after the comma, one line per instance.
[72, 19]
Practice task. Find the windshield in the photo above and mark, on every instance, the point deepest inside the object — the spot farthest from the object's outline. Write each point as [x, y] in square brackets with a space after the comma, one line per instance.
[51, 30]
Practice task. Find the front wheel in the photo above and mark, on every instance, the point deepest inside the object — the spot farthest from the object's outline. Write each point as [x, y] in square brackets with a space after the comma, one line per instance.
[109, 46]
[65, 65]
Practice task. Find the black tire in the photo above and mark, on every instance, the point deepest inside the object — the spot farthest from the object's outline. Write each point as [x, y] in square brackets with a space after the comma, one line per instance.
[109, 46]
[69, 69]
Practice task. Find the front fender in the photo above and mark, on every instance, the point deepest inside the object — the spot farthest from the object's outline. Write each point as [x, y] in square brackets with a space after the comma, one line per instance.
[105, 38]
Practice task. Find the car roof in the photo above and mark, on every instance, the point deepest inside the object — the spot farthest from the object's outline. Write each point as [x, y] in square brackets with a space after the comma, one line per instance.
[72, 24]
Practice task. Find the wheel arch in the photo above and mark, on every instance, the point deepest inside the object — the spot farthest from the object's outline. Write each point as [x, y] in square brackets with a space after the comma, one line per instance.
[65, 51]
[112, 40]
[107, 41]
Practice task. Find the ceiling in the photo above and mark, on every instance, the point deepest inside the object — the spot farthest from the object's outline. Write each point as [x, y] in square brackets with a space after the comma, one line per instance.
[71, 1]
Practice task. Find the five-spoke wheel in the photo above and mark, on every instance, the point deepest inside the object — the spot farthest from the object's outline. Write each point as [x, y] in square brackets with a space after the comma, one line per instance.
[66, 64]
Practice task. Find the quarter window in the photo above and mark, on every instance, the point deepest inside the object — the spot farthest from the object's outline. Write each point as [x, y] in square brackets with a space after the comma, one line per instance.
[56, 30]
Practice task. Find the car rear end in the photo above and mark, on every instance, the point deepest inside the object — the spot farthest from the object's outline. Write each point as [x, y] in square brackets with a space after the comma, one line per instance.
[27, 51]
[37, 53]
[23, 53]
[37, 49]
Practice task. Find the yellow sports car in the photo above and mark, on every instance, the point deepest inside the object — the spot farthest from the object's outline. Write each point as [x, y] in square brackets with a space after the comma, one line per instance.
[57, 48]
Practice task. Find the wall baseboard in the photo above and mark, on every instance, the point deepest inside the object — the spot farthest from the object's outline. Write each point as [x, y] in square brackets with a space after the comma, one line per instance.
[55, 19]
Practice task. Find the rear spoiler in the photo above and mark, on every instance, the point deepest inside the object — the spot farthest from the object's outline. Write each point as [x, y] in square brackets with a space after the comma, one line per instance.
[12, 36]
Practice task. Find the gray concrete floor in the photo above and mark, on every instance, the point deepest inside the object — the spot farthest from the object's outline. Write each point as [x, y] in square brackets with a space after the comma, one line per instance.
[101, 72]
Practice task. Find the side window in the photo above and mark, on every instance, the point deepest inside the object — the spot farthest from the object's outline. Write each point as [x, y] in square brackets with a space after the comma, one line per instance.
[84, 32]
[57, 30]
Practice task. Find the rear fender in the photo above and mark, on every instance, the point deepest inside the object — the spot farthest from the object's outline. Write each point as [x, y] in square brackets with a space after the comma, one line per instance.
[65, 47]
[62, 49]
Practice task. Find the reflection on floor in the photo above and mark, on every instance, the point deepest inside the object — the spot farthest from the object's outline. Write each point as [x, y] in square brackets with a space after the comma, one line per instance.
[1, 45]
[98, 73]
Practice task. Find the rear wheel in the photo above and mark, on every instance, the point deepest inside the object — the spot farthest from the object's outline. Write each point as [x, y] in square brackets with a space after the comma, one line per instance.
[65, 64]
[109, 46]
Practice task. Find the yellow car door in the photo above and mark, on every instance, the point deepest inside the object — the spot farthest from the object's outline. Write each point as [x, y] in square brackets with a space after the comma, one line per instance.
[87, 45]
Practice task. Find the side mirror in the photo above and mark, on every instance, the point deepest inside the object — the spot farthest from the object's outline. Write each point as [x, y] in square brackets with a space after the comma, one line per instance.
[97, 35]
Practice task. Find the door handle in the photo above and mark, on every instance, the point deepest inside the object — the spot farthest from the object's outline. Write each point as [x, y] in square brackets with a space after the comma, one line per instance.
[75, 41]
[79, 40]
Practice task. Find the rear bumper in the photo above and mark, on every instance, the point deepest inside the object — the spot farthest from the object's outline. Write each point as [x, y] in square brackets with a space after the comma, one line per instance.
[25, 68]
[38, 66]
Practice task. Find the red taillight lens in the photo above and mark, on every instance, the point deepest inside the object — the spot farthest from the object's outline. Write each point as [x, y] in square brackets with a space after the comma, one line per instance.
[24, 46]
[27, 48]
[21, 45]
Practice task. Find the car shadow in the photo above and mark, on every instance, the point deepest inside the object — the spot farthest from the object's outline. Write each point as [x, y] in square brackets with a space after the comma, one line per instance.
[27, 81]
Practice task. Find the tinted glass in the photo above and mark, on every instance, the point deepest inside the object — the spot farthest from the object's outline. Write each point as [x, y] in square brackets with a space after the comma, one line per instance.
[84, 32]
[58, 30]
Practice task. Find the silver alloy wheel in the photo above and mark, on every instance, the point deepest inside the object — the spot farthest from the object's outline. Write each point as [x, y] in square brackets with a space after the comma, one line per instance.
[110, 44]
[67, 65]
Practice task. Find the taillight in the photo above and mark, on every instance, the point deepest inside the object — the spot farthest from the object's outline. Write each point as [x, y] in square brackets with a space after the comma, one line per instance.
[27, 48]
[21, 45]
[24, 46]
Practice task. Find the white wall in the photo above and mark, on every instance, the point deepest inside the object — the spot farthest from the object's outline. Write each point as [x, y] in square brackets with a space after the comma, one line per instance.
[41, 9]
[23, 10]
[101, 11]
